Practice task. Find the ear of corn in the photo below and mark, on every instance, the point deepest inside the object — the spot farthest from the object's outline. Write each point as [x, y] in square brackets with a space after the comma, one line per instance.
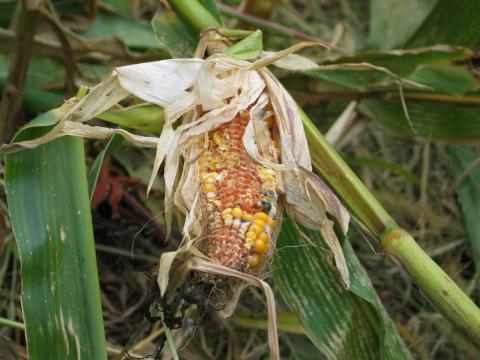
[240, 198]
[226, 189]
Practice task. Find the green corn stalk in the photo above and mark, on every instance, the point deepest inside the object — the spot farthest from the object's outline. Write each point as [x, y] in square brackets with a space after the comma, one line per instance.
[437, 286]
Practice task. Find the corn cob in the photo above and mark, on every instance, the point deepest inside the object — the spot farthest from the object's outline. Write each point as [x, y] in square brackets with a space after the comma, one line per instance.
[239, 196]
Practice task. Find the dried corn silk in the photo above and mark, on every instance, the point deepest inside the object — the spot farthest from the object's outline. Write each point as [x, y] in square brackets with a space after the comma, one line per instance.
[240, 198]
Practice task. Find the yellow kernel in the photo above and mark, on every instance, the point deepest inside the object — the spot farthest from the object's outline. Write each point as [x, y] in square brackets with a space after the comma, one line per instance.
[253, 260]
[262, 174]
[269, 186]
[260, 223]
[263, 236]
[260, 247]
[251, 235]
[217, 138]
[261, 216]
[256, 229]
[247, 217]
[226, 211]
[237, 212]
[208, 187]
[271, 222]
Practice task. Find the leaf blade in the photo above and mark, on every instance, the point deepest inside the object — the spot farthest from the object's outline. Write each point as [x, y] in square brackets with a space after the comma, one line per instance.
[331, 316]
[51, 220]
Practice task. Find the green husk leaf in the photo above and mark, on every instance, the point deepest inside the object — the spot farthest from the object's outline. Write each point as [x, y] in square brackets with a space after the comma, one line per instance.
[144, 117]
[248, 48]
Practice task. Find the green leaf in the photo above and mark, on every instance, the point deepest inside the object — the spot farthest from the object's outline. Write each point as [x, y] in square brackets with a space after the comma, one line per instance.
[362, 80]
[393, 22]
[342, 324]
[7, 9]
[133, 33]
[384, 165]
[178, 37]
[404, 62]
[40, 125]
[138, 163]
[42, 72]
[438, 121]
[469, 194]
[121, 6]
[450, 22]
[112, 145]
[248, 48]
[49, 209]
[435, 67]
[449, 79]
[415, 23]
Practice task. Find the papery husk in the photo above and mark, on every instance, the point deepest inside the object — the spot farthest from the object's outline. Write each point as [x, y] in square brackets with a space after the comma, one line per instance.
[300, 185]
[199, 264]
[181, 86]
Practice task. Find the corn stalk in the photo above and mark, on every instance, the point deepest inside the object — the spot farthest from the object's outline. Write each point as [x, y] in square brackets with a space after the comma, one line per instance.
[437, 286]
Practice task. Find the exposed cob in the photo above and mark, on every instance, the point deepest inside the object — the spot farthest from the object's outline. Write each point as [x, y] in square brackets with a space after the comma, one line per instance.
[240, 197]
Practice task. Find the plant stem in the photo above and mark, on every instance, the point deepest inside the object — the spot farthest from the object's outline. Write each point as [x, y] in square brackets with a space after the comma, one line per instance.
[463, 100]
[268, 25]
[12, 323]
[195, 14]
[449, 299]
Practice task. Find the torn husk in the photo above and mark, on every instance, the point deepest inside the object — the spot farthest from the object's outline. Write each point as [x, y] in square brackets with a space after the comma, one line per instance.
[238, 157]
